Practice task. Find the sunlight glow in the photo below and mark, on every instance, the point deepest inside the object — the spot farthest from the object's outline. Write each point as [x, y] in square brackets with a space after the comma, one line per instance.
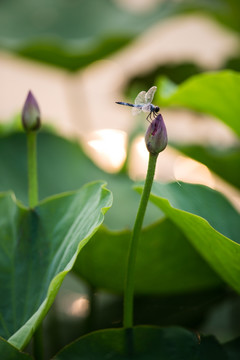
[140, 147]
[79, 307]
[108, 148]
[138, 6]
[73, 304]
[170, 166]
[138, 159]
[188, 170]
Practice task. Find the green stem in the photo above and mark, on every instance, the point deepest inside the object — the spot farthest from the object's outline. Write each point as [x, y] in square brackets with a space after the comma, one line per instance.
[130, 275]
[32, 169]
[38, 343]
[33, 200]
[92, 313]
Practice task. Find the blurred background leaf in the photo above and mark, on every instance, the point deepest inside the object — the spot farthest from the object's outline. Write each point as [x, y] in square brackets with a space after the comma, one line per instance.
[161, 244]
[74, 34]
[213, 93]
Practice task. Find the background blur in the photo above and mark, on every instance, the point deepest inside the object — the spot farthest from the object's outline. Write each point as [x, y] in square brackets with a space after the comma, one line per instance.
[79, 57]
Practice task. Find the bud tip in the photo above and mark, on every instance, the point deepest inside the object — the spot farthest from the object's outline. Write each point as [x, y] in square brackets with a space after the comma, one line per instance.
[31, 113]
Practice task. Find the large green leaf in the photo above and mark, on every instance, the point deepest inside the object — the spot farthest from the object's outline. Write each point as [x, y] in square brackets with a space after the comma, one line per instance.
[164, 255]
[208, 220]
[216, 94]
[142, 343]
[38, 248]
[9, 352]
[72, 34]
[224, 162]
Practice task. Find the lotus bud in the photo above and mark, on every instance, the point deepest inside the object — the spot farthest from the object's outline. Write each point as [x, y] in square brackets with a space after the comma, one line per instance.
[31, 114]
[156, 136]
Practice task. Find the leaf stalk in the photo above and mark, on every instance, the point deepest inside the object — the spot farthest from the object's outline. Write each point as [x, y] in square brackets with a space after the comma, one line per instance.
[33, 200]
[130, 273]
[32, 168]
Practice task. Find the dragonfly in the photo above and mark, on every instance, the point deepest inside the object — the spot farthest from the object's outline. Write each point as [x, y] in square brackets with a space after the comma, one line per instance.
[143, 102]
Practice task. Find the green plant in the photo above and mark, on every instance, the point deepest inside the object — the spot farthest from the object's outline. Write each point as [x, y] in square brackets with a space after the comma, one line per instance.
[190, 249]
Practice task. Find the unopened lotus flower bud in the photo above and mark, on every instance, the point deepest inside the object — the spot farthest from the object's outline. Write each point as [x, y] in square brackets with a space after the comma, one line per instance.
[31, 114]
[156, 136]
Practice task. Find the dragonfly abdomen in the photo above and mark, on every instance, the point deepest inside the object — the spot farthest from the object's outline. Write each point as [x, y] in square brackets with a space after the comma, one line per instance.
[128, 104]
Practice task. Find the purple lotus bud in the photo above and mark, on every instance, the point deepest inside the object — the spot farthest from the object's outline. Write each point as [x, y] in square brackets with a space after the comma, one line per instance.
[156, 136]
[31, 114]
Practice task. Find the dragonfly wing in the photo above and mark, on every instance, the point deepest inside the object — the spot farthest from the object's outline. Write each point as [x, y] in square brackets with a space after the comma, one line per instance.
[136, 110]
[146, 108]
[140, 99]
[150, 94]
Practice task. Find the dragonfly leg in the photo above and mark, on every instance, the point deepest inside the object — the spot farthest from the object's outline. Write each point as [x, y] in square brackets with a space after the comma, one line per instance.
[152, 115]
[149, 116]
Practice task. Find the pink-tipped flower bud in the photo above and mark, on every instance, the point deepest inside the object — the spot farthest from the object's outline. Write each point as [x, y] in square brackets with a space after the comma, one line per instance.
[31, 114]
[156, 136]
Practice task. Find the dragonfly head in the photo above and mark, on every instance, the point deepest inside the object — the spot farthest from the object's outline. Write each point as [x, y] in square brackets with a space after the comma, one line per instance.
[157, 108]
